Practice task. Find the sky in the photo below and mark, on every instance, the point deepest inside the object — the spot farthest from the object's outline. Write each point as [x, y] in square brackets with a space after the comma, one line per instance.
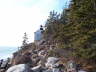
[19, 16]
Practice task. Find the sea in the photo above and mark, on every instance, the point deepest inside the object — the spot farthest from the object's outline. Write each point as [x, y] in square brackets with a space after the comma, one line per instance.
[7, 52]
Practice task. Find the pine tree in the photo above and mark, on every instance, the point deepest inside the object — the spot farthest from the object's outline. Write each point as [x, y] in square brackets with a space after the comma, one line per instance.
[51, 25]
[76, 28]
[82, 28]
[25, 39]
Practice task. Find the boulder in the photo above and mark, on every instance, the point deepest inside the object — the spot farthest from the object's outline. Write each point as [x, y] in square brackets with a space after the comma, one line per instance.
[82, 71]
[41, 53]
[71, 66]
[53, 65]
[51, 61]
[56, 70]
[37, 69]
[23, 59]
[19, 68]
[48, 70]
[4, 64]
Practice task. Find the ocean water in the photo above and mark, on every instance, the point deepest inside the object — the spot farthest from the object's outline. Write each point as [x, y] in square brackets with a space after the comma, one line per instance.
[6, 52]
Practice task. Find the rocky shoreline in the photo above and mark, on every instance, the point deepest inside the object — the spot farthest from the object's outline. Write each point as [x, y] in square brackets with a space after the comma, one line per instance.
[33, 58]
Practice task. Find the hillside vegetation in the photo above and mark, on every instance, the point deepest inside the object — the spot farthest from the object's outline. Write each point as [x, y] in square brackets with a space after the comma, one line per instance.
[75, 29]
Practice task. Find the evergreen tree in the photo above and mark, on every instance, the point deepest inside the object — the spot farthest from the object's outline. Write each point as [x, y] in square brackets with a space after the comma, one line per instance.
[25, 39]
[75, 28]
[82, 28]
[51, 24]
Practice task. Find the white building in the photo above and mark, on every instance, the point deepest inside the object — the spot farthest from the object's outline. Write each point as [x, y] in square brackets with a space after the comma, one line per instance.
[37, 36]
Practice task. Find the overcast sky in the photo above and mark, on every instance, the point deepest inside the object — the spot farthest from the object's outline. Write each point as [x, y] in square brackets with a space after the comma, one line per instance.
[19, 16]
